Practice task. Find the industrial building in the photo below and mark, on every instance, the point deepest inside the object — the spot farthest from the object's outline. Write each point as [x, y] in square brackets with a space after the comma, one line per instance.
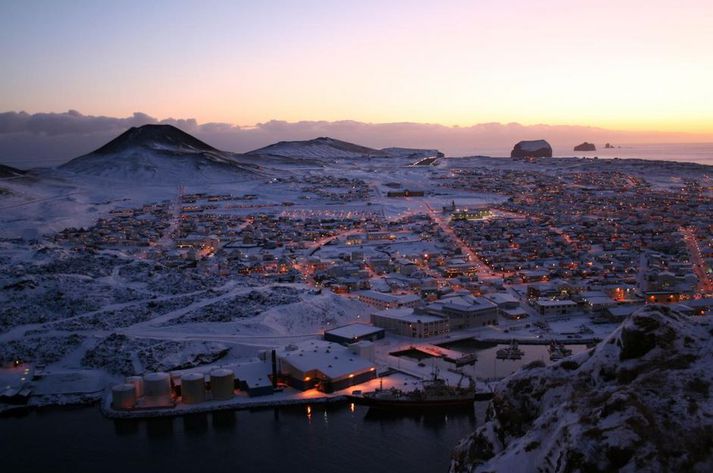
[389, 301]
[325, 366]
[464, 311]
[406, 323]
[255, 378]
[354, 333]
[549, 307]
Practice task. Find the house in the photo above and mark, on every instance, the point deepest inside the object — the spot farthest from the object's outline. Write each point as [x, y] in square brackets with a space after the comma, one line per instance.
[508, 305]
[549, 307]
[597, 301]
[503, 300]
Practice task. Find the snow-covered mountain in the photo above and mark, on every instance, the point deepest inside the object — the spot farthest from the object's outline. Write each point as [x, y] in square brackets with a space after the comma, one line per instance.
[412, 153]
[322, 147]
[326, 148]
[640, 401]
[160, 153]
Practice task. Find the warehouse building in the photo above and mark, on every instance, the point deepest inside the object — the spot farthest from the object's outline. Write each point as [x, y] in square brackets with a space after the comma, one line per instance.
[406, 323]
[354, 333]
[325, 366]
[254, 378]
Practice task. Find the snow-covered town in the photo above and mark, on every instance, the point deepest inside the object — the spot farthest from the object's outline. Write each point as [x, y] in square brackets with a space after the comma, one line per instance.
[356, 236]
[283, 282]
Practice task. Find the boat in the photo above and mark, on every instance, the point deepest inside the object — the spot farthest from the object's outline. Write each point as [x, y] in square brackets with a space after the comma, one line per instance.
[436, 393]
[512, 352]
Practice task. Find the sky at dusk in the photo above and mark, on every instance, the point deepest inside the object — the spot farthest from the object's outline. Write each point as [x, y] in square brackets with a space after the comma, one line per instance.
[625, 64]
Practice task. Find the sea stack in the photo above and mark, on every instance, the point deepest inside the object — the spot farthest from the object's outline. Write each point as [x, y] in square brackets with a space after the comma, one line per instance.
[585, 147]
[532, 149]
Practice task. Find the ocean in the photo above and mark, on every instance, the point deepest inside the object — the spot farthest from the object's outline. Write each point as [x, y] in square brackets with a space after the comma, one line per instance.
[322, 439]
[701, 153]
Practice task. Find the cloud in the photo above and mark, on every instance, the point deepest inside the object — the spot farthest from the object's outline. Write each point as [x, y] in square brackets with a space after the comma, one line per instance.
[49, 139]
[71, 122]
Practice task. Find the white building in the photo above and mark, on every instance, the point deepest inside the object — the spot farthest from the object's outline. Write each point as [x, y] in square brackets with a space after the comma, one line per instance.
[549, 307]
[389, 301]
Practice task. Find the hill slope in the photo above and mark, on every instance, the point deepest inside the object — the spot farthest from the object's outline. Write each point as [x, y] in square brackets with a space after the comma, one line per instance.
[322, 147]
[330, 148]
[640, 401]
[159, 153]
[8, 171]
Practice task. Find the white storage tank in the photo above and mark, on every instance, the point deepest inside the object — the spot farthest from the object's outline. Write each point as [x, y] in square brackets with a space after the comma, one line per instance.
[157, 386]
[138, 383]
[175, 377]
[193, 388]
[222, 383]
[123, 396]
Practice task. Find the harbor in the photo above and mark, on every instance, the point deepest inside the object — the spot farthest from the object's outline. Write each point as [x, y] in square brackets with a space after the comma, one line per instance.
[318, 437]
[171, 397]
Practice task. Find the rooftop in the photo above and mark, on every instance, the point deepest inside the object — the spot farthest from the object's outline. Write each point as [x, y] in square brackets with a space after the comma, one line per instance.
[354, 331]
[330, 359]
[407, 315]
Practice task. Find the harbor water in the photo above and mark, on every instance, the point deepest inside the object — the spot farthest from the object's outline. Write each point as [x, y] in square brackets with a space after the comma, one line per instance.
[321, 438]
[489, 366]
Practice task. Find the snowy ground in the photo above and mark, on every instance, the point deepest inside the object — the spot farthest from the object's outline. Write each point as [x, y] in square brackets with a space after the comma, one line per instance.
[103, 313]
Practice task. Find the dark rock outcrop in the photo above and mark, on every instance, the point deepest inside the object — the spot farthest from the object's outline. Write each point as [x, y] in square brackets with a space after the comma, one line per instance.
[642, 400]
[532, 149]
[7, 171]
[585, 147]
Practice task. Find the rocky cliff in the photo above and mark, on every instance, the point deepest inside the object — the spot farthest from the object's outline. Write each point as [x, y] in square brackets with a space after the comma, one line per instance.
[585, 147]
[532, 149]
[640, 401]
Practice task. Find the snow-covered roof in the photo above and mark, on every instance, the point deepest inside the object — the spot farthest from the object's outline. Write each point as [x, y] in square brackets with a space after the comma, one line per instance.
[388, 298]
[354, 331]
[407, 315]
[554, 303]
[501, 298]
[330, 359]
[254, 374]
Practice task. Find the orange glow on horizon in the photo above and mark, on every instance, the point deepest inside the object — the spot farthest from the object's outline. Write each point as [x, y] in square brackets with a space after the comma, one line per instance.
[629, 66]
